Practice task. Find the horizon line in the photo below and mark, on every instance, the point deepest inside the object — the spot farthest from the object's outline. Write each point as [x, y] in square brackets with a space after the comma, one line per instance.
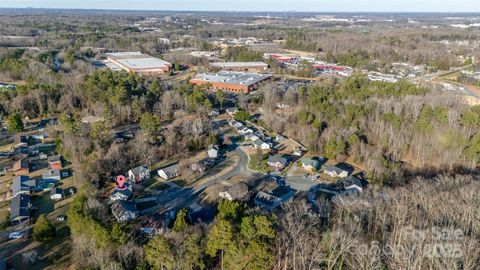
[248, 11]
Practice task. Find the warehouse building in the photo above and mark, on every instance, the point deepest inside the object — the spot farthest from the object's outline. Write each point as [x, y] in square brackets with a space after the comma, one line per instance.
[240, 66]
[234, 82]
[139, 63]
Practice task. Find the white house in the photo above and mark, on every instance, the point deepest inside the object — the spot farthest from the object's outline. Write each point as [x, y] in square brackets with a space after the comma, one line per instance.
[251, 136]
[335, 171]
[212, 151]
[259, 144]
[232, 110]
[244, 130]
[139, 174]
[168, 172]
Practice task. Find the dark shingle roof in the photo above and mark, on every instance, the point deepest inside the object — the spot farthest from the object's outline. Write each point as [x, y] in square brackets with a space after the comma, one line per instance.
[20, 206]
[277, 159]
[55, 158]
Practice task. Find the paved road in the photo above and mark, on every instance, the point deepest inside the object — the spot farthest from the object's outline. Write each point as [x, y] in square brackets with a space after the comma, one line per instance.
[23, 227]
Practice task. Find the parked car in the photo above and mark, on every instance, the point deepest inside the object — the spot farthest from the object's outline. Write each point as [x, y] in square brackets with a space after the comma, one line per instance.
[15, 235]
[61, 218]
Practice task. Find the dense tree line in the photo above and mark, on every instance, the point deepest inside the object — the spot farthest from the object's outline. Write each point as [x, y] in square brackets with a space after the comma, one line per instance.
[380, 124]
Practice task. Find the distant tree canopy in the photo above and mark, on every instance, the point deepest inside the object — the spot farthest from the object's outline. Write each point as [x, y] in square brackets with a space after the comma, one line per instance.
[15, 123]
[242, 115]
[242, 54]
[297, 40]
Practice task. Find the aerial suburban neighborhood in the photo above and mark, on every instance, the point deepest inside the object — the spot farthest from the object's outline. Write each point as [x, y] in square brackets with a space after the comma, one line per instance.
[134, 137]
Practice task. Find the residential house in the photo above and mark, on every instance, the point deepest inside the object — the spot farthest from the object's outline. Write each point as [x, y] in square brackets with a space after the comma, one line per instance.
[40, 136]
[212, 151]
[336, 171]
[236, 192]
[203, 165]
[234, 124]
[21, 140]
[298, 151]
[310, 164]
[139, 174]
[279, 138]
[199, 213]
[277, 162]
[124, 211]
[169, 172]
[22, 184]
[20, 207]
[251, 137]
[122, 195]
[271, 195]
[232, 110]
[21, 167]
[214, 113]
[20, 152]
[351, 184]
[51, 176]
[244, 130]
[155, 224]
[259, 144]
[55, 162]
[56, 194]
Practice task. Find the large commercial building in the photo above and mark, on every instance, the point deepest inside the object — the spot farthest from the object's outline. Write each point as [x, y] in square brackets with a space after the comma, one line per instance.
[234, 82]
[241, 66]
[139, 63]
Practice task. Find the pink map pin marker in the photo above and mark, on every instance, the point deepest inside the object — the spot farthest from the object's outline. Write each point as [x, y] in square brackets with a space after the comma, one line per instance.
[121, 180]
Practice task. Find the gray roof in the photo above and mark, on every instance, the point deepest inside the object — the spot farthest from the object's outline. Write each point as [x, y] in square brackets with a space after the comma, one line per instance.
[137, 170]
[310, 162]
[55, 158]
[337, 170]
[349, 181]
[22, 183]
[127, 193]
[122, 206]
[277, 159]
[51, 173]
[170, 170]
[232, 77]
[267, 199]
[20, 206]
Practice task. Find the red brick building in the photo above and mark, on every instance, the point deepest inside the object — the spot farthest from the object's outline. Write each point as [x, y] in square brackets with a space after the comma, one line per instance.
[233, 82]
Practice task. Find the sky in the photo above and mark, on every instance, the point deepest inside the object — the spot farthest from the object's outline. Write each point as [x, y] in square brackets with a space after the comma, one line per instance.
[259, 5]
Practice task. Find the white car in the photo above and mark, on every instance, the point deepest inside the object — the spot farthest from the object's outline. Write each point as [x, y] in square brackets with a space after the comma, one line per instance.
[15, 235]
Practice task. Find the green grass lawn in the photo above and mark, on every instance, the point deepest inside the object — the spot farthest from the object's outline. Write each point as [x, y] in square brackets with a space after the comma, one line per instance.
[259, 166]
[159, 186]
[179, 182]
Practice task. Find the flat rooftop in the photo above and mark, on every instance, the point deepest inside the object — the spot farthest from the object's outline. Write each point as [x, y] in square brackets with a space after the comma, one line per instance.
[137, 60]
[232, 77]
[239, 64]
